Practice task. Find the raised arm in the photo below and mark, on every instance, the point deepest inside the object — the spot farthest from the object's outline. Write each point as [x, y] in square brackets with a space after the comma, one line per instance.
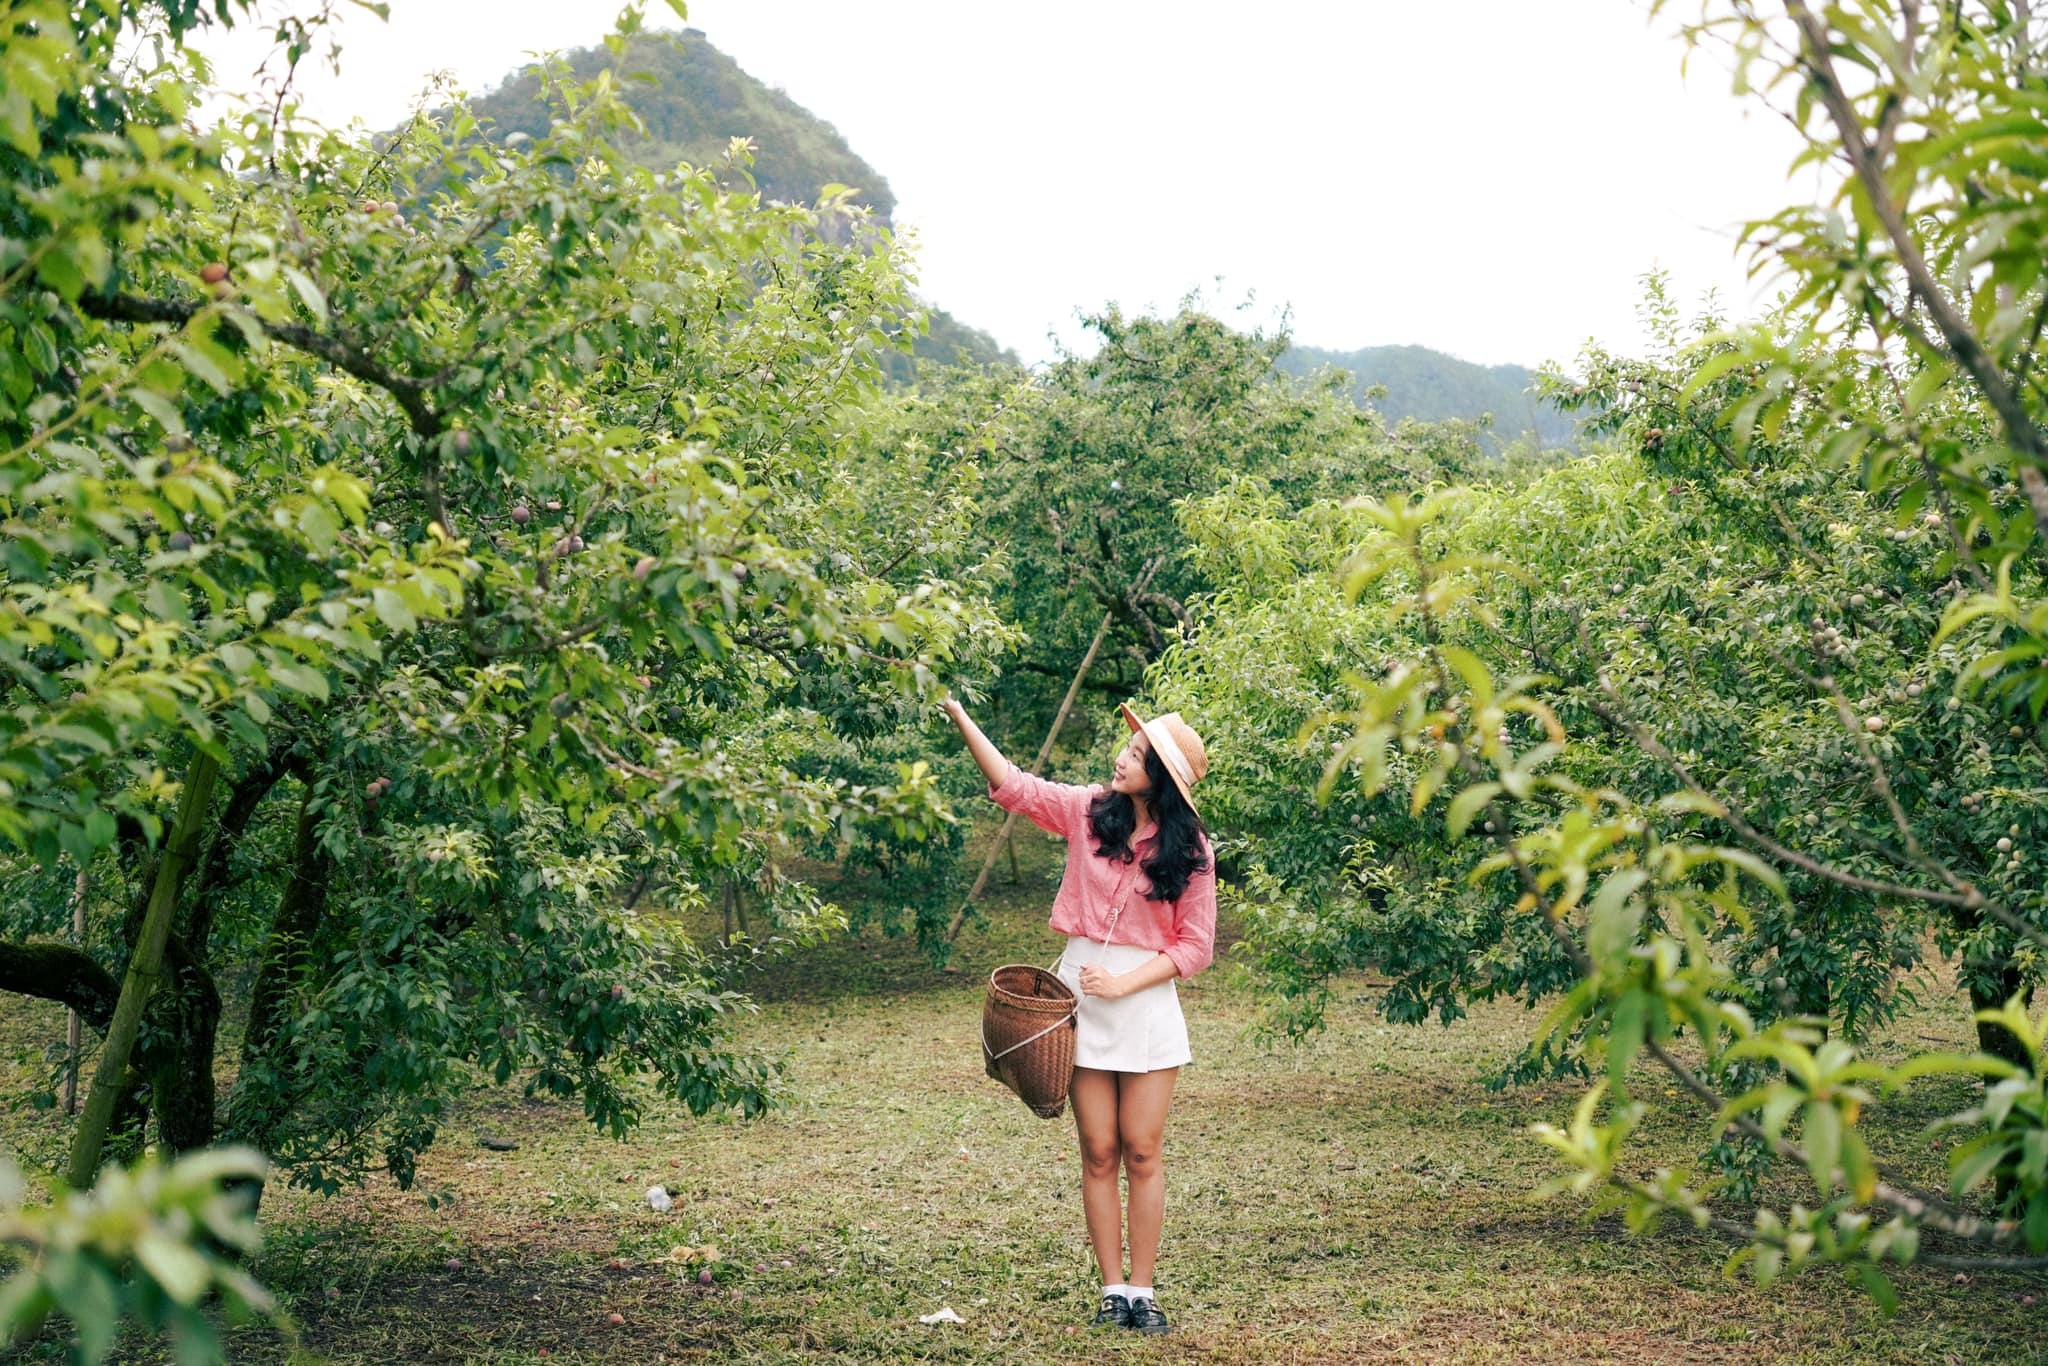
[994, 766]
[1057, 808]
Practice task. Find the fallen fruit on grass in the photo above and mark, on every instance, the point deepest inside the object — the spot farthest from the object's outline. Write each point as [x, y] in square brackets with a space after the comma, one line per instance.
[454, 1263]
[760, 1266]
[705, 1277]
[615, 1318]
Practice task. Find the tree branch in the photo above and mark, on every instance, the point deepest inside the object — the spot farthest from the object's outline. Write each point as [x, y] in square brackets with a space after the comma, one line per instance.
[1970, 898]
[61, 973]
[1961, 343]
[343, 352]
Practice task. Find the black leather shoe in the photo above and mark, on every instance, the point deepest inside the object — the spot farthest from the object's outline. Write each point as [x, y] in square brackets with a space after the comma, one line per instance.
[1114, 1313]
[1146, 1316]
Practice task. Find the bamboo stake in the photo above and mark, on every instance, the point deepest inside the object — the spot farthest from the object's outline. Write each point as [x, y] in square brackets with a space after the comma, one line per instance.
[74, 1038]
[1045, 752]
[144, 966]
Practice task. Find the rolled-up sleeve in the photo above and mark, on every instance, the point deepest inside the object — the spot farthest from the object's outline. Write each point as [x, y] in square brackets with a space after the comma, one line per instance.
[1056, 808]
[1194, 923]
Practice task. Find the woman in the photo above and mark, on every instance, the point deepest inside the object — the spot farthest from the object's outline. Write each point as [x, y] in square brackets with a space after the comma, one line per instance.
[1138, 906]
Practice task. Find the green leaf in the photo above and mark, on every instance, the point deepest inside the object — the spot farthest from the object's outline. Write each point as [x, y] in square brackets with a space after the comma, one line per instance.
[87, 1295]
[1976, 1160]
[1821, 1136]
[299, 679]
[392, 611]
[1478, 678]
[1880, 1287]
[1466, 806]
[1613, 918]
[177, 1268]
[308, 292]
[1624, 1038]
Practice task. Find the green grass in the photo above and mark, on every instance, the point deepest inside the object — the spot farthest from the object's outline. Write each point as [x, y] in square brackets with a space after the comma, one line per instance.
[1359, 1199]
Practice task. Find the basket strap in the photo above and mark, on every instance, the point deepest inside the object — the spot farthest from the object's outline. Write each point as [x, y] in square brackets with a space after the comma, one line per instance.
[1107, 936]
[994, 1056]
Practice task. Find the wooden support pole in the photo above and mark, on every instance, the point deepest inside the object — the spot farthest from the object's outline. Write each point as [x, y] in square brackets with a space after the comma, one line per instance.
[74, 1037]
[145, 964]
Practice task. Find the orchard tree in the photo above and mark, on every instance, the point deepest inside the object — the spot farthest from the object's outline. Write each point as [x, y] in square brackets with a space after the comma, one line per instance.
[1090, 461]
[425, 571]
[1720, 724]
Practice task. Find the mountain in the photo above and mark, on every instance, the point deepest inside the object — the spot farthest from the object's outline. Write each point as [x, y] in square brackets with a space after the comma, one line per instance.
[697, 101]
[1429, 386]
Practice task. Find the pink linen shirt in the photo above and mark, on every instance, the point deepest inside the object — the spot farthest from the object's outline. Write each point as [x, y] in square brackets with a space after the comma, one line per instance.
[1093, 886]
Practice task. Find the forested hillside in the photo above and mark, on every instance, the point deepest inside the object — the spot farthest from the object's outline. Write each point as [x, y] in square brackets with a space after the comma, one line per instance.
[698, 101]
[1430, 386]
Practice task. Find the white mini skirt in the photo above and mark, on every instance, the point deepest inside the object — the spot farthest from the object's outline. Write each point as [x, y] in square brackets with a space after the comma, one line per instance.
[1142, 1032]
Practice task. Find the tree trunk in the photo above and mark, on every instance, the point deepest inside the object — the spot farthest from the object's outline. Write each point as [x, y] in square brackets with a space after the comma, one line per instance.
[144, 966]
[180, 1064]
[1995, 1039]
[186, 1014]
[252, 1114]
[2005, 978]
[212, 880]
[298, 913]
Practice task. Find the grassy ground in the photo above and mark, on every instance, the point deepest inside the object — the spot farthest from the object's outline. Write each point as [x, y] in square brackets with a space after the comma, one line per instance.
[1361, 1199]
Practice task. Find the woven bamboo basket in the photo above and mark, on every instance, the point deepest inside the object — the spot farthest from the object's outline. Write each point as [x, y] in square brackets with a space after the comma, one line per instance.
[1027, 1036]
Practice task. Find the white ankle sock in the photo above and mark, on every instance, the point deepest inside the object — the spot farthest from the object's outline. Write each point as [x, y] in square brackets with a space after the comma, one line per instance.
[1123, 1290]
[1133, 1292]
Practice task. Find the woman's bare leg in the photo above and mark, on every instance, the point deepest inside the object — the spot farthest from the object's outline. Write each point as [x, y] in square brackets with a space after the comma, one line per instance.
[1094, 1094]
[1142, 1101]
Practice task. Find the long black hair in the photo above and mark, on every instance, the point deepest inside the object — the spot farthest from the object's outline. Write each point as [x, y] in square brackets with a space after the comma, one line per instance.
[1176, 845]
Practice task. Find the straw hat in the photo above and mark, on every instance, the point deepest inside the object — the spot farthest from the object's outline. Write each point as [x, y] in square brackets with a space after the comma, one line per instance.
[1177, 746]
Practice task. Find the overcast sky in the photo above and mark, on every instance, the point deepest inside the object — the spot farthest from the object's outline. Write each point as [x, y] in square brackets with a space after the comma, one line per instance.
[1489, 177]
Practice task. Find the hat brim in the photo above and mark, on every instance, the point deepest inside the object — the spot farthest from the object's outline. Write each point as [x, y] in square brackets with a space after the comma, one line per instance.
[1138, 725]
